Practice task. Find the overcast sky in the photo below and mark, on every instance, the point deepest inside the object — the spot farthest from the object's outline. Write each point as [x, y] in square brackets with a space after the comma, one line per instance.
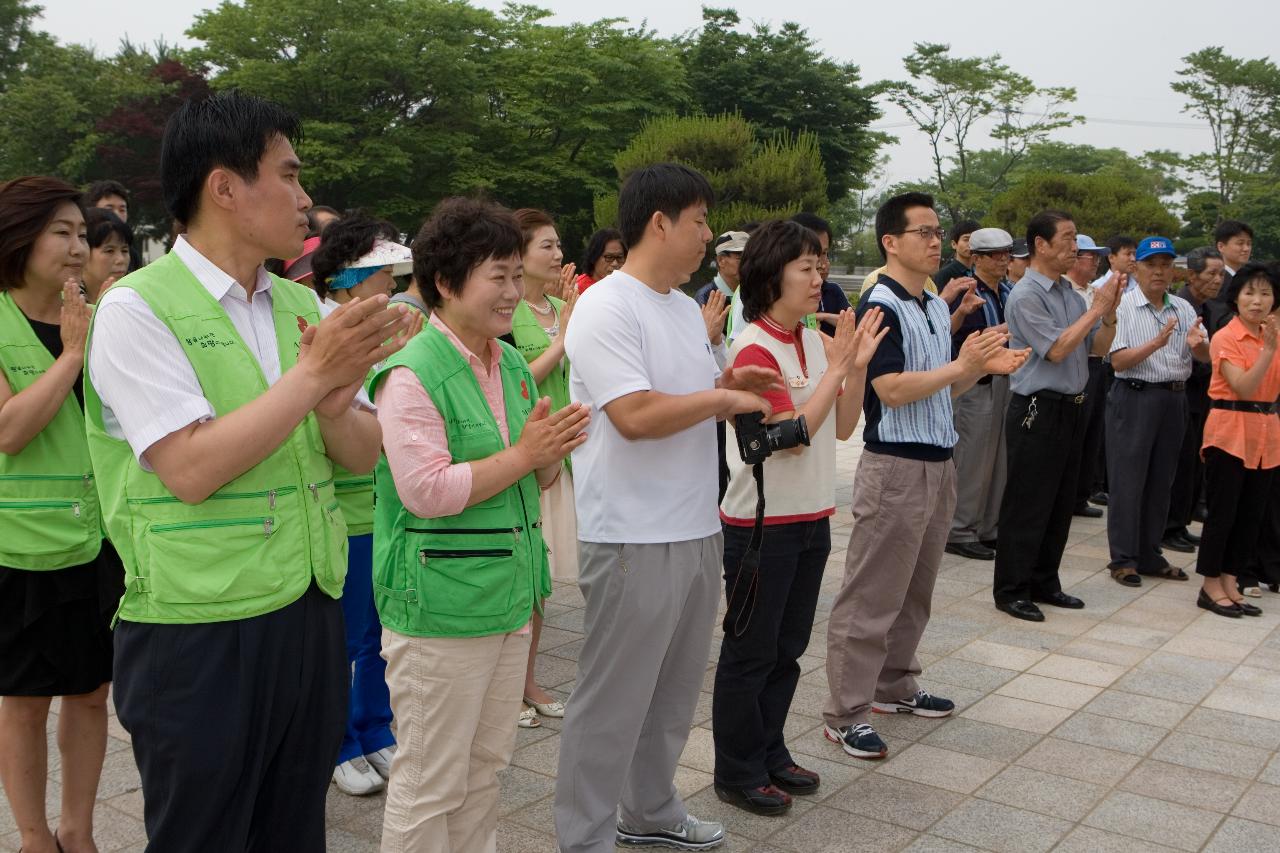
[1119, 55]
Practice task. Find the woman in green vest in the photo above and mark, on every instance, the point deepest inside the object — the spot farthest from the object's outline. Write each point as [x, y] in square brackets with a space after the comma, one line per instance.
[460, 566]
[59, 583]
[537, 331]
[356, 259]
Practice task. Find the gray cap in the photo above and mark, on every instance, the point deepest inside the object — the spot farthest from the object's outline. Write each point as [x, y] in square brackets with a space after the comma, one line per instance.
[1020, 249]
[990, 240]
[731, 241]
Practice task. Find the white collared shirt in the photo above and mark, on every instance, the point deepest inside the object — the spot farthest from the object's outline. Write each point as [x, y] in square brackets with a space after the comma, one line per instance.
[147, 385]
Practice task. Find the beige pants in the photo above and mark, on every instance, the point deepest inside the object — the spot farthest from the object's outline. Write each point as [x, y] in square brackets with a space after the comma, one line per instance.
[456, 701]
[560, 528]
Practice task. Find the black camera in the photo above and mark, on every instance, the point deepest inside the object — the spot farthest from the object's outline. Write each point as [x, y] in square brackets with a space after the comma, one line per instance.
[757, 440]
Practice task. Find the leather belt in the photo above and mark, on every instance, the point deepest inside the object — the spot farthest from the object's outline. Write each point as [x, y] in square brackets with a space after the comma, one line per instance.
[1138, 385]
[1075, 399]
[1251, 406]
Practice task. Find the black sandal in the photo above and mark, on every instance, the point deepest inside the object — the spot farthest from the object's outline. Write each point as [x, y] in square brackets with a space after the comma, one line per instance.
[1126, 576]
[1169, 573]
[1230, 610]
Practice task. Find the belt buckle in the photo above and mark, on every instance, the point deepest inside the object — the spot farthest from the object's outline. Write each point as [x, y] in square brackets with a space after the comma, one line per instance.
[1078, 399]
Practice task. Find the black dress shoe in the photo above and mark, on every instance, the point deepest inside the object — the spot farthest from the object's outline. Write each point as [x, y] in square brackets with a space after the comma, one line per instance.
[990, 543]
[1086, 511]
[1177, 543]
[1099, 498]
[1060, 599]
[1190, 537]
[1021, 610]
[795, 780]
[767, 800]
[1249, 609]
[971, 550]
[1228, 610]
[1200, 513]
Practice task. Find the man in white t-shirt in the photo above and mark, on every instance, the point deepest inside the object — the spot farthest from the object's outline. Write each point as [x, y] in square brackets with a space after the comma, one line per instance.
[648, 524]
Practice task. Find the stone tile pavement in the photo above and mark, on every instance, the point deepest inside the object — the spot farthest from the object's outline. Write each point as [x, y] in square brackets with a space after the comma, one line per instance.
[1138, 724]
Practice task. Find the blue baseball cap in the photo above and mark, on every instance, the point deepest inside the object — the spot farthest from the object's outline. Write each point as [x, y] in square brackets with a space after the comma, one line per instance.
[1084, 243]
[1152, 246]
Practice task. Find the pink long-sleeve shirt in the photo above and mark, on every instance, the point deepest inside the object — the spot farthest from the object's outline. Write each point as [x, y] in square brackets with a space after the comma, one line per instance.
[429, 484]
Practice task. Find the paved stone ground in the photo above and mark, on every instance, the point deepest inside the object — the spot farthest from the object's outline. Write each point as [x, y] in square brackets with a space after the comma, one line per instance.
[1138, 724]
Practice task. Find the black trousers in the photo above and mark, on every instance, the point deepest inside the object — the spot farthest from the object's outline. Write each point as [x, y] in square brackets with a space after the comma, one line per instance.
[1091, 455]
[721, 448]
[1237, 499]
[1188, 482]
[758, 671]
[1035, 514]
[236, 726]
[1145, 428]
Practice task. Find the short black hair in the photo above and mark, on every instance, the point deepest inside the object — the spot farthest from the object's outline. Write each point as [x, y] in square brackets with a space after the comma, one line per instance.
[596, 246]
[228, 130]
[1229, 228]
[1044, 225]
[1198, 258]
[98, 190]
[1250, 272]
[816, 224]
[100, 223]
[343, 242]
[313, 226]
[773, 245]
[1116, 242]
[891, 218]
[460, 235]
[961, 228]
[668, 188]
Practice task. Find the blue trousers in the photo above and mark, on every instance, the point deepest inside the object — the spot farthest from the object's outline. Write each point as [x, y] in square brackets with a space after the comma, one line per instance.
[369, 716]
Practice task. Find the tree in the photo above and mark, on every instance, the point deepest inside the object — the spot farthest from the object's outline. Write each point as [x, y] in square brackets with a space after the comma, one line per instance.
[1102, 205]
[752, 180]
[779, 81]
[1240, 101]
[949, 98]
[18, 38]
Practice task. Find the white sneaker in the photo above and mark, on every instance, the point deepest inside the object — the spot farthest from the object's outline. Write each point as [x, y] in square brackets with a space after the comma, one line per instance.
[380, 761]
[357, 778]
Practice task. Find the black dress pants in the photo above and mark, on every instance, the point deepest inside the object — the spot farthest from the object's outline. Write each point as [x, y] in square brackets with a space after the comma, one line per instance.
[759, 655]
[1145, 427]
[1188, 482]
[1237, 499]
[236, 726]
[1039, 495]
[1091, 456]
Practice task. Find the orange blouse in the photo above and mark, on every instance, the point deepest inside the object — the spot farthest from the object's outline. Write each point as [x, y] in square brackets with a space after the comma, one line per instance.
[1251, 437]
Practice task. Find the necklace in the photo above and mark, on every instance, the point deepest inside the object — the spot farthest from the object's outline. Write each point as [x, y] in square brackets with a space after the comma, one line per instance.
[545, 312]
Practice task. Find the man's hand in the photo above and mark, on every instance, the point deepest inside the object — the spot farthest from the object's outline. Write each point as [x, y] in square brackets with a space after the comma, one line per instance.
[1196, 334]
[1005, 360]
[549, 437]
[957, 286]
[713, 314]
[1107, 297]
[1166, 333]
[343, 347]
[971, 301]
[742, 402]
[980, 348]
[753, 379]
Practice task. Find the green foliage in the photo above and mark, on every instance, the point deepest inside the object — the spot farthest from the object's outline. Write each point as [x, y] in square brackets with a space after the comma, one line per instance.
[752, 180]
[19, 39]
[779, 81]
[1101, 204]
[949, 98]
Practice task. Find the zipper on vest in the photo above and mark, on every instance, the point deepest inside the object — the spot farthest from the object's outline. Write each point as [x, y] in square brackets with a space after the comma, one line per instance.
[441, 553]
[267, 524]
[269, 494]
[87, 478]
[74, 506]
[468, 531]
[316, 487]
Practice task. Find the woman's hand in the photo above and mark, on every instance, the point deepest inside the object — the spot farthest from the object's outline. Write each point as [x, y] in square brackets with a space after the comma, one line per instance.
[549, 437]
[1268, 327]
[844, 346]
[74, 319]
[871, 331]
[568, 282]
[567, 311]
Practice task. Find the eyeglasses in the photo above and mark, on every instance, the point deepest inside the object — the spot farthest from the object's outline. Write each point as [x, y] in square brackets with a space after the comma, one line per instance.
[613, 259]
[1001, 255]
[926, 233]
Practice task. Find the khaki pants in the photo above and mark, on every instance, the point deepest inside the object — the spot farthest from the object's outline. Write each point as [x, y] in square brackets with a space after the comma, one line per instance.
[902, 512]
[456, 701]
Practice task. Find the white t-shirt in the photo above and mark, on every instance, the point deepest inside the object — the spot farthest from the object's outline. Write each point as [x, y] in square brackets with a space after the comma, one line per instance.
[625, 338]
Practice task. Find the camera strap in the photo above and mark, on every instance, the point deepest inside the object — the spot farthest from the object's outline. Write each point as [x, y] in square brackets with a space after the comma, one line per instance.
[750, 564]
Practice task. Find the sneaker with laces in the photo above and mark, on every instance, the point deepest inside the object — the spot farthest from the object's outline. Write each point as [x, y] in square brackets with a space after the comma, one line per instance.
[860, 741]
[357, 778]
[922, 705]
[689, 834]
[380, 761]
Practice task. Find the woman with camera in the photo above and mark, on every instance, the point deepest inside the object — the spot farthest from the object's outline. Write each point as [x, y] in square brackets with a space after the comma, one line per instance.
[773, 571]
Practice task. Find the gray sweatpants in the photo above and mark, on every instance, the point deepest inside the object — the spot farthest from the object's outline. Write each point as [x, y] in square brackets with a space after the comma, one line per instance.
[650, 613]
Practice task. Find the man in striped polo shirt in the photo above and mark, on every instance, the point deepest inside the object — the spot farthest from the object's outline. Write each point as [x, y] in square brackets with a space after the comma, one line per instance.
[1157, 336]
[904, 493]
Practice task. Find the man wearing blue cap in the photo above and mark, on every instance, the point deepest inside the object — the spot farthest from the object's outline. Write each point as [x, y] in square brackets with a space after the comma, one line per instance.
[1157, 336]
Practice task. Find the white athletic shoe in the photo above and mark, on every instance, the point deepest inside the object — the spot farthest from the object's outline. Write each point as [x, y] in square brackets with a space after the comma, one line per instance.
[357, 778]
[380, 761]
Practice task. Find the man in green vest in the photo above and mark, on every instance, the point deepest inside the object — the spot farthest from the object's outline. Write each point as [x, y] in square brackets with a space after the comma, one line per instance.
[219, 400]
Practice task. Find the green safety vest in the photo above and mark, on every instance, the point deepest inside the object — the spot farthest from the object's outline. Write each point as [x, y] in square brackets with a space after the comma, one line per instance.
[479, 572]
[355, 496]
[48, 505]
[254, 545]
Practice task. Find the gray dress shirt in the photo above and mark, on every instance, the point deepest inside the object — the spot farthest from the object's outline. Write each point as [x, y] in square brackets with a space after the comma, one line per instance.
[1039, 310]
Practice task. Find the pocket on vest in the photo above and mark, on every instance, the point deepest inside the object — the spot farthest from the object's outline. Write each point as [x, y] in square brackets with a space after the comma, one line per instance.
[218, 560]
[46, 527]
[472, 580]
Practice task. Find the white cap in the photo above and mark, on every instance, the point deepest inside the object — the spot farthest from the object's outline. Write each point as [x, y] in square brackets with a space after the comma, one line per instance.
[385, 254]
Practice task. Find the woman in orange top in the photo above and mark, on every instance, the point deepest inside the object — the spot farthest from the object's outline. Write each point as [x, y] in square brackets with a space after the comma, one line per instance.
[1241, 438]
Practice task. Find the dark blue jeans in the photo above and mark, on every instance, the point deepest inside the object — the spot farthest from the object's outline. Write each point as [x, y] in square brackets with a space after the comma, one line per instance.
[369, 715]
[758, 671]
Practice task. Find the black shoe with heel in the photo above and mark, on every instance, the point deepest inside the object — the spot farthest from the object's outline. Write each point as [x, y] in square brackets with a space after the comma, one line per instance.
[1231, 611]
